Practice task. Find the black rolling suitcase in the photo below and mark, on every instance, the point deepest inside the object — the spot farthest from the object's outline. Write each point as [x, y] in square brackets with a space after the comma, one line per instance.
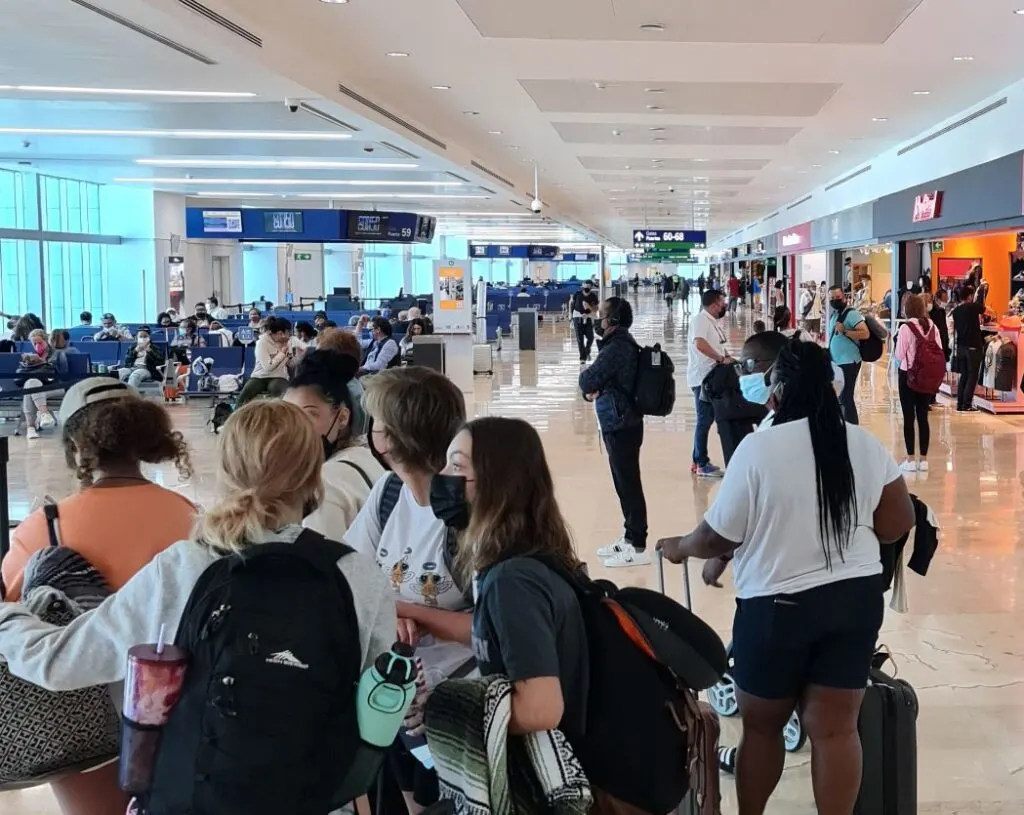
[888, 734]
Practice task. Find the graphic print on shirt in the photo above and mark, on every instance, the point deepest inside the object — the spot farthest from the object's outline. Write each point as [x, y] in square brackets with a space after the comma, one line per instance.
[399, 572]
[431, 583]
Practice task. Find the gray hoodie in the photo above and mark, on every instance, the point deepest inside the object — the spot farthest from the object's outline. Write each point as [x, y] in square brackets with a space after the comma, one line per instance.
[92, 650]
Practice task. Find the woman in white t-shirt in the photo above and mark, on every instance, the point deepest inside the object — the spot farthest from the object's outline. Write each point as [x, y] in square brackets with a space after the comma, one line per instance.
[414, 414]
[807, 579]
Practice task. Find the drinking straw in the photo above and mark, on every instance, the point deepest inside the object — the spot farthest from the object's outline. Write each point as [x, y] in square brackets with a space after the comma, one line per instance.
[160, 638]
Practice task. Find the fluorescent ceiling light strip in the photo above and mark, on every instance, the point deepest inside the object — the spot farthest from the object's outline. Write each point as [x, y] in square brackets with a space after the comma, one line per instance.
[127, 91]
[287, 182]
[485, 214]
[287, 164]
[360, 196]
[275, 135]
[232, 194]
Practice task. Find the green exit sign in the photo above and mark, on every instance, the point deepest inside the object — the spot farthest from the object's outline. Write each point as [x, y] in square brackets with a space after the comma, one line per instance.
[303, 256]
[938, 246]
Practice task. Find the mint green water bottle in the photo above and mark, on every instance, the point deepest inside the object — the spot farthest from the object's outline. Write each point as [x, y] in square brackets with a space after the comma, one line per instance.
[386, 690]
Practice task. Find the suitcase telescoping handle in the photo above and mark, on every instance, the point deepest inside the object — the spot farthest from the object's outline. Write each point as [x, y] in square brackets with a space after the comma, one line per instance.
[660, 560]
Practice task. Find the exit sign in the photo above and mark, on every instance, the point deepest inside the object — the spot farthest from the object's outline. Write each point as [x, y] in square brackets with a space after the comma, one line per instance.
[938, 246]
[303, 256]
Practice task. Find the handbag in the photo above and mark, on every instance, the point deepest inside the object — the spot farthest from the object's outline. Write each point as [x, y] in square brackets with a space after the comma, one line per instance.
[46, 734]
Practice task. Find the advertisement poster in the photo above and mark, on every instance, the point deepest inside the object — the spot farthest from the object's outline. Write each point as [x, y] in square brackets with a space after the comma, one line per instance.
[452, 280]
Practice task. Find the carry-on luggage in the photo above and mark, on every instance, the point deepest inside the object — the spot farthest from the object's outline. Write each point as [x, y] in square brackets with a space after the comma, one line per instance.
[483, 359]
[888, 735]
[705, 796]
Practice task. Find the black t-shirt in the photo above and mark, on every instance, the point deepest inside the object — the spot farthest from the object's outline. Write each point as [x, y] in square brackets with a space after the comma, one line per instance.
[967, 325]
[527, 624]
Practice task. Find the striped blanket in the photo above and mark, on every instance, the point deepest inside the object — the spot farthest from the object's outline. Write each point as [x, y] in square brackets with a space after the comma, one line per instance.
[484, 771]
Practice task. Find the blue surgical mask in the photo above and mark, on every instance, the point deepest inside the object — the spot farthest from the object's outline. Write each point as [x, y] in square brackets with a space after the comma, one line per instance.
[755, 389]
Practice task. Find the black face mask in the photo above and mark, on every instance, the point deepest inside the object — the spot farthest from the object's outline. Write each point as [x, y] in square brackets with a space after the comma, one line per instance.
[331, 447]
[448, 500]
[373, 448]
[599, 328]
[837, 304]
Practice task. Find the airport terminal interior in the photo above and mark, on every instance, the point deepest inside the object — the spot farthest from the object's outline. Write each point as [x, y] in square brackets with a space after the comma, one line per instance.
[197, 169]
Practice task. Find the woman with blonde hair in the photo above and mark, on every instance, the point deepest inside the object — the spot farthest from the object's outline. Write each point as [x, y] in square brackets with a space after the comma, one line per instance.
[269, 472]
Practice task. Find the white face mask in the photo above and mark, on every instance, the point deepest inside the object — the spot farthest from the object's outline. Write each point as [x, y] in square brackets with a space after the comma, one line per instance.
[143, 341]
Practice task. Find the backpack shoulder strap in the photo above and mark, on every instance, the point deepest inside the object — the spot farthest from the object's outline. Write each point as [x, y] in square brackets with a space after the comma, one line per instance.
[389, 496]
[359, 470]
[51, 513]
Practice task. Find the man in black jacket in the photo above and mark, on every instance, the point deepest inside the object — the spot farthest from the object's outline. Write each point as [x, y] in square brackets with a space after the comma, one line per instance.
[610, 384]
[584, 307]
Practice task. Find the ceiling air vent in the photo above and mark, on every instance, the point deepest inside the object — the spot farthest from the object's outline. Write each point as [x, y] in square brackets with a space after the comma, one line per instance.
[397, 149]
[492, 174]
[223, 22]
[846, 178]
[387, 114]
[457, 177]
[488, 191]
[145, 32]
[327, 117]
[803, 200]
[767, 218]
[950, 127]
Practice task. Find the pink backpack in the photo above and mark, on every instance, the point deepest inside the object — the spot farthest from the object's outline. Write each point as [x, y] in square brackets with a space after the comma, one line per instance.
[929, 367]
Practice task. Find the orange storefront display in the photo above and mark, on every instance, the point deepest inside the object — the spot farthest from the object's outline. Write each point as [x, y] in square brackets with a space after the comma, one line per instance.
[992, 250]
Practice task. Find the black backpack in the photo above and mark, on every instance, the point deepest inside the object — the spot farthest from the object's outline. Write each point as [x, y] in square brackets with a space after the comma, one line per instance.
[640, 747]
[872, 347]
[655, 391]
[266, 721]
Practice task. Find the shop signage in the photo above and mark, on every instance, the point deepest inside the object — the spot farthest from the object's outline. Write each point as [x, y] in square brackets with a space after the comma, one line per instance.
[938, 247]
[795, 239]
[790, 240]
[303, 256]
[927, 206]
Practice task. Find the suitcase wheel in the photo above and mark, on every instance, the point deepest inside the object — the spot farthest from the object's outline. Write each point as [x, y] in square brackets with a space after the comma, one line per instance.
[793, 734]
[722, 697]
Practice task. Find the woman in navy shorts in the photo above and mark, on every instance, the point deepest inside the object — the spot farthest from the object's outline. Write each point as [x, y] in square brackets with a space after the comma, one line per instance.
[801, 512]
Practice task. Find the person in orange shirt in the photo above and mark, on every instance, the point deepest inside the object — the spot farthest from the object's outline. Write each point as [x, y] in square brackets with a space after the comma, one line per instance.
[118, 521]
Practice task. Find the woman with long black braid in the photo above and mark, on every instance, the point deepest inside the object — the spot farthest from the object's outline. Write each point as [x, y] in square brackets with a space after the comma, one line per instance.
[807, 576]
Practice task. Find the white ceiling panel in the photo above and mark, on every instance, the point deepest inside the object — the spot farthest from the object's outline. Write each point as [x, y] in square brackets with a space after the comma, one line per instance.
[689, 98]
[583, 133]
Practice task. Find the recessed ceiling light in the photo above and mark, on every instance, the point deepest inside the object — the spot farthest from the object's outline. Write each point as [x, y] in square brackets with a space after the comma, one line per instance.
[879, 118]
[629, 168]
[513, 147]
[658, 140]
[655, 107]
[284, 135]
[654, 90]
[126, 91]
[1019, 12]
[600, 86]
[699, 160]
[652, 27]
[834, 152]
[494, 132]
[815, 165]
[656, 129]
[335, 2]
[470, 113]
[963, 59]
[441, 87]
[398, 53]
[616, 132]
[921, 93]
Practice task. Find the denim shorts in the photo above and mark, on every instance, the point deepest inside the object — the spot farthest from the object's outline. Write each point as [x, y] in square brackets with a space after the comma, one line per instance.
[823, 636]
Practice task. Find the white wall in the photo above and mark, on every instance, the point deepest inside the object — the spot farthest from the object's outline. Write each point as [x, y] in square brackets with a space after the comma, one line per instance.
[260, 276]
[306, 276]
[340, 261]
[131, 266]
[812, 267]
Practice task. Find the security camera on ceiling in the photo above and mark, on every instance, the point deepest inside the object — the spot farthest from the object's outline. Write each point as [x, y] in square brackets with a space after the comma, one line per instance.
[537, 206]
[292, 105]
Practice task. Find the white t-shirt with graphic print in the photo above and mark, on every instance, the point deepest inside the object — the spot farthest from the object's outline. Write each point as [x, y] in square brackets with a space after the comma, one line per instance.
[410, 551]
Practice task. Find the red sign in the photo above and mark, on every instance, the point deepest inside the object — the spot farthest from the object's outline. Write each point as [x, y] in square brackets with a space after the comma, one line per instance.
[927, 206]
[795, 239]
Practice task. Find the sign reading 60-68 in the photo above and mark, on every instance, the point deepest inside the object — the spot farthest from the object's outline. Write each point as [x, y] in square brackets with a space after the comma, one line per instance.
[643, 237]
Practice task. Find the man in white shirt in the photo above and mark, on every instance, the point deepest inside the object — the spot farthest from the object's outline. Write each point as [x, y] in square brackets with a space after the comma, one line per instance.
[214, 310]
[706, 347]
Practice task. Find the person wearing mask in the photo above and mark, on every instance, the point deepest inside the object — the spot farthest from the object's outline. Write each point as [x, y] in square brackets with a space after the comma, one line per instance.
[938, 314]
[214, 310]
[527, 624]
[416, 329]
[706, 346]
[305, 334]
[255, 319]
[163, 320]
[268, 470]
[970, 347]
[415, 413]
[110, 331]
[846, 328]
[142, 362]
[108, 433]
[44, 366]
[384, 351]
[202, 316]
[274, 352]
[810, 601]
[320, 389]
[609, 383]
[85, 318]
[319, 320]
[584, 303]
[345, 342]
[917, 330]
[188, 335]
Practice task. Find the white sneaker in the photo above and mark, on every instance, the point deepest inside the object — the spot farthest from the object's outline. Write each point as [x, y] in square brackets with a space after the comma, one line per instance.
[45, 420]
[909, 466]
[628, 557]
[922, 466]
[621, 545]
[31, 434]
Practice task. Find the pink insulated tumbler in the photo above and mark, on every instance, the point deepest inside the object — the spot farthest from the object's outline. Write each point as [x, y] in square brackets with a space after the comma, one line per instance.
[153, 682]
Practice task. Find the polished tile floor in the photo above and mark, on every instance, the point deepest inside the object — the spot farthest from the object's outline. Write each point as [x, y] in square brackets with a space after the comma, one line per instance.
[960, 644]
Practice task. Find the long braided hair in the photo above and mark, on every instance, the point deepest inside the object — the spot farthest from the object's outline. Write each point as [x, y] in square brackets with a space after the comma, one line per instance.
[803, 376]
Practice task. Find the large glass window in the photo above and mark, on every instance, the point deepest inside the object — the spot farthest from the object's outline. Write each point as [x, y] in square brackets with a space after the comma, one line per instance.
[74, 275]
[423, 257]
[20, 289]
[70, 206]
[385, 273]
